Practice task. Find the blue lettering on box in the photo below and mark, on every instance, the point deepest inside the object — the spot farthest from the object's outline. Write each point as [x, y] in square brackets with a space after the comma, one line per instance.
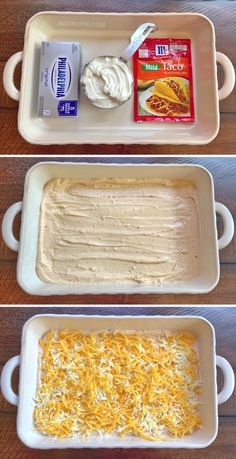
[61, 77]
[67, 108]
[45, 76]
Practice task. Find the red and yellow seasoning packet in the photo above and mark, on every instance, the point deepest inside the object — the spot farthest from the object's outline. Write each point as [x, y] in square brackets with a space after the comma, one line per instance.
[163, 86]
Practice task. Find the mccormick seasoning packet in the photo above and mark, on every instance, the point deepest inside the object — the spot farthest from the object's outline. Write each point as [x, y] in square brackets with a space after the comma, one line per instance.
[163, 85]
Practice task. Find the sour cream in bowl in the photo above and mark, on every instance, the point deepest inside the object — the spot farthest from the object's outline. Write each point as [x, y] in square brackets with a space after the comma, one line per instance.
[107, 81]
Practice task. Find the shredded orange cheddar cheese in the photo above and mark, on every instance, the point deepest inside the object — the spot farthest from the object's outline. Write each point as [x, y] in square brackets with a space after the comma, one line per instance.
[116, 382]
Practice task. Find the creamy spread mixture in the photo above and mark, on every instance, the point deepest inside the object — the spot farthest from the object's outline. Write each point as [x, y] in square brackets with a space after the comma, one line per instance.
[107, 81]
[118, 230]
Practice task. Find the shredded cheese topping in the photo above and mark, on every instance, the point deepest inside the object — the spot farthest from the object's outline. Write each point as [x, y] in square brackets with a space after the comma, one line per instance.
[119, 383]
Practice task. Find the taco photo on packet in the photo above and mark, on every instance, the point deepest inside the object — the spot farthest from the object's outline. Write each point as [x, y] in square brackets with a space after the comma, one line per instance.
[170, 97]
[163, 81]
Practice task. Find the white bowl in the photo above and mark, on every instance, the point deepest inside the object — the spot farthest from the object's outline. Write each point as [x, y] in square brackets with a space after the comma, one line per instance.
[35, 327]
[108, 34]
[41, 173]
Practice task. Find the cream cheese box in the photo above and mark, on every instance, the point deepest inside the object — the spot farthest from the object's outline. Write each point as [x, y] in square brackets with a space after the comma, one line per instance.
[60, 67]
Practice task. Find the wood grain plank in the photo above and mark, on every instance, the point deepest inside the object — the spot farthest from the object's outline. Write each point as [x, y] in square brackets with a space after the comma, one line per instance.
[6, 407]
[5, 101]
[12, 143]
[14, 15]
[14, 20]
[223, 170]
[224, 446]
[222, 318]
[11, 293]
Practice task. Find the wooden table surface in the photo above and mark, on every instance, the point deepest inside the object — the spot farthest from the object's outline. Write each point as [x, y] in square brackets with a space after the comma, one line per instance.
[12, 174]
[14, 15]
[224, 321]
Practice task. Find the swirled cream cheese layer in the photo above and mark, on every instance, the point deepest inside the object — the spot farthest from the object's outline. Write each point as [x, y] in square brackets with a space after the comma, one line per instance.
[119, 231]
[107, 81]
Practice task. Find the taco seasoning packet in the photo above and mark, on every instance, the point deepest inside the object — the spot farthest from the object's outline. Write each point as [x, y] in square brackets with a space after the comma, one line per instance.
[163, 86]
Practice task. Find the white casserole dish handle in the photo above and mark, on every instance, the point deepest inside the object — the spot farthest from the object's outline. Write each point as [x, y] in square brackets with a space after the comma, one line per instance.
[228, 222]
[7, 226]
[229, 379]
[8, 75]
[229, 75]
[6, 376]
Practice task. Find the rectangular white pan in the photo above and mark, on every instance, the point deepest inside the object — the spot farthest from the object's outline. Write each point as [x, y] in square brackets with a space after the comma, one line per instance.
[28, 362]
[40, 174]
[108, 34]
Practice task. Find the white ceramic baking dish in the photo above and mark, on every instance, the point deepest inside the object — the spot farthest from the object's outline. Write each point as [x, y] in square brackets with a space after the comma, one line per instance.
[108, 34]
[28, 362]
[41, 173]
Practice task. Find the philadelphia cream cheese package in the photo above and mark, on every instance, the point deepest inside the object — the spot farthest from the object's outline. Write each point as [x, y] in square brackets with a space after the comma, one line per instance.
[59, 79]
